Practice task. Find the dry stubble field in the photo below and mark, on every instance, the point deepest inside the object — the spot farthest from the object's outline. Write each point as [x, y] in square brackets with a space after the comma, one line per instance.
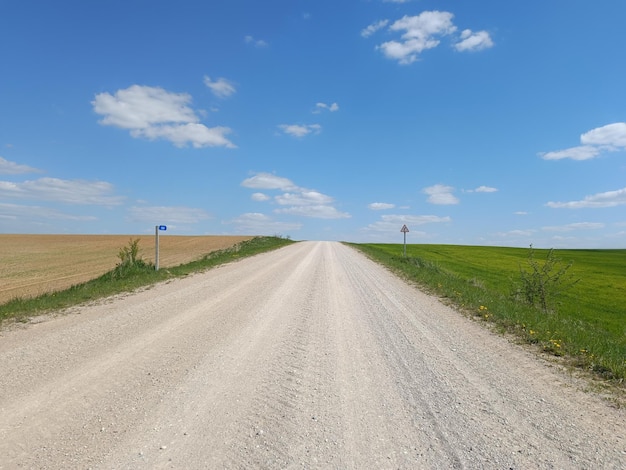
[31, 265]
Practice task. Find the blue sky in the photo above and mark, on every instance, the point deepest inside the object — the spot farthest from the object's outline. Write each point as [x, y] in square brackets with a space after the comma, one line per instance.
[478, 123]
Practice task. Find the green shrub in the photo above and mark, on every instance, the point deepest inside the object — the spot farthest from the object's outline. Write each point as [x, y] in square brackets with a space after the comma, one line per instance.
[131, 262]
[542, 283]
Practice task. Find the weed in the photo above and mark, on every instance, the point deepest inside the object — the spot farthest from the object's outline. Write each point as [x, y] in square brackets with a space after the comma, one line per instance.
[543, 283]
[131, 262]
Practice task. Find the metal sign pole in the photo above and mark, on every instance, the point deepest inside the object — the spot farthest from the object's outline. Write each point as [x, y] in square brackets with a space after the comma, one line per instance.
[157, 228]
[156, 248]
[405, 244]
[404, 230]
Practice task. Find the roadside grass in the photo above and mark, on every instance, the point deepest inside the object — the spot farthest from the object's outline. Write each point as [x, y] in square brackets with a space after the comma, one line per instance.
[587, 326]
[128, 277]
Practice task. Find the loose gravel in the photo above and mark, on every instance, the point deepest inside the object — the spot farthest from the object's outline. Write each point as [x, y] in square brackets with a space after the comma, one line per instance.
[311, 356]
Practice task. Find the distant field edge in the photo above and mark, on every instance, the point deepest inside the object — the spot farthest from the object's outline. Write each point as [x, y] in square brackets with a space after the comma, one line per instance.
[111, 282]
[587, 332]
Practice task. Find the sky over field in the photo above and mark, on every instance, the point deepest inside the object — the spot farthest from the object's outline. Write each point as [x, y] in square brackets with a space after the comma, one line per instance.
[476, 123]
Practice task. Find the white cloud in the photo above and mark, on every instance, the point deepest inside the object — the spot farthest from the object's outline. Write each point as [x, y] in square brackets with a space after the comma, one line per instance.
[315, 211]
[65, 191]
[300, 201]
[296, 130]
[221, 87]
[198, 135]
[471, 41]
[379, 206]
[166, 214]
[611, 137]
[423, 32]
[260, 43]
[371, 29]
[584, 152]
[595, 201]
[482, 189]
[20, 212]
[320, 106]
[140, 107]
[152, 113]
[302, 198]
[268, 181]
[486, 189]
[254, 223]
[260, 197]
[574, 226]
[441, 195]
[11, 168]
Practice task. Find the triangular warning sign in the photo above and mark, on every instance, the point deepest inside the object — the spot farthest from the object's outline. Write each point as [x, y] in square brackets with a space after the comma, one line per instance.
[404, 229]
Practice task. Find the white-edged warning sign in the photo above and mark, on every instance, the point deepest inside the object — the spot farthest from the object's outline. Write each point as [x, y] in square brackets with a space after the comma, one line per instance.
[404, 231]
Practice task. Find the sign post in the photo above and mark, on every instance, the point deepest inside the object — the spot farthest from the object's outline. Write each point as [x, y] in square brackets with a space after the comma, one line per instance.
[404, 230]
[157, 228]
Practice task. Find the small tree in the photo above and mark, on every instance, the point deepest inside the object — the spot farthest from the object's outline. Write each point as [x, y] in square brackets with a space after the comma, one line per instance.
[543, 282]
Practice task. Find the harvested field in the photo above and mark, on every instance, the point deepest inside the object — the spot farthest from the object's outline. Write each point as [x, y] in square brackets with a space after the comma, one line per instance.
[32, 265]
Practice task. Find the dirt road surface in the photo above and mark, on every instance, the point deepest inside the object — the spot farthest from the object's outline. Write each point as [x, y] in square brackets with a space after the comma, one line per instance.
[311, 356]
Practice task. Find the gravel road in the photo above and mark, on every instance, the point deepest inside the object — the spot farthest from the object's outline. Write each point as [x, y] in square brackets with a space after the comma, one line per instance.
[311, 356]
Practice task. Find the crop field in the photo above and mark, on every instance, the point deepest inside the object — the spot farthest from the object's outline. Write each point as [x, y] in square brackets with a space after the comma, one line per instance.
[588, 320]
[31, 265]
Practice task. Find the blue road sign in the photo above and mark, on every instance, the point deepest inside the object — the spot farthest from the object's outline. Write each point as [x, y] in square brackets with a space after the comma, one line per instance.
[162, 227]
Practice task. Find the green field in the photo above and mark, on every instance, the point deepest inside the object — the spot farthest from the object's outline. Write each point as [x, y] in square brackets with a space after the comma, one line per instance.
[586, 325]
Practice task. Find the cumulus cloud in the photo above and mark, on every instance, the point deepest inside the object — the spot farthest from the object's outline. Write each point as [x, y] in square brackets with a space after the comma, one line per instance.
[315, 211]
[260, 197]
[595, 201]
[611, 137]
[330, 107]
[371, 29]
[11, 168]
[79, 192]
[584, 152]
[260, 43]
[139, 107]
[255, 223]
[166, 214]
[471, 41]
[268, 181]
[295, 200]
[483, 189]
[302, 198]
[221, 87]
[380, 206]
[17, 212]
[198, 135]
[424, 31]
[299, 131]
[153, 113]
[441, 195]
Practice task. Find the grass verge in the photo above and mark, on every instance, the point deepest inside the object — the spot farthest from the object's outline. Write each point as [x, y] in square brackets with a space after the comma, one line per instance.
[587, 330]
[141, 275]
